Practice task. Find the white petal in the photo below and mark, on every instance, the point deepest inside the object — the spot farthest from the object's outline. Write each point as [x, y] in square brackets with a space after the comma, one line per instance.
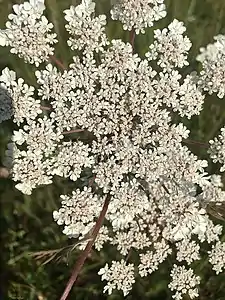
[3, 39]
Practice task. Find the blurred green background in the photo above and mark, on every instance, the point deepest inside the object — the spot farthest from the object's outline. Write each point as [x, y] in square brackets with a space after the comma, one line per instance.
[26, 221]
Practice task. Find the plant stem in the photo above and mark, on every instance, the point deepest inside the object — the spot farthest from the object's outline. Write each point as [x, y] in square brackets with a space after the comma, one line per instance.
[198, 143]
[80, 262]
[45, 108]
[73, 131]
[4, 172]
[132, 38]
[57, 62]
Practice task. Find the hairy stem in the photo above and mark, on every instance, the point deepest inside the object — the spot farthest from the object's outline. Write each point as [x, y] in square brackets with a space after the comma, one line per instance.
[80, 262]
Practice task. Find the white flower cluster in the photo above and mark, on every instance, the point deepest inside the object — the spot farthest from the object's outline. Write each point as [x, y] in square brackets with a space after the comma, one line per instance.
[151, 260]
[78, 212]
[119, 276]
[217, 149]
[184, 282]
[213, 67]
[27, 32]
[128, 150]
[24, 107]
[70, 167]
[213, 193]
[87, 33]
[170, 47]
[138, 14]
[187, 251]
[217, 257]
[40, 136]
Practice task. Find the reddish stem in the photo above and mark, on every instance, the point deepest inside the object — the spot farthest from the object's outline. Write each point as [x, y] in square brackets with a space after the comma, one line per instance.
[57, 62]
[201, 144]
[4, 172]
[80, 262]
[45, 108]
[91, 181]
[132, 38]
[73, 131]
[128, 255]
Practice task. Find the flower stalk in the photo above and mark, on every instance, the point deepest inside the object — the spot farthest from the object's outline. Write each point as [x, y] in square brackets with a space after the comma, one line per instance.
[81, 260]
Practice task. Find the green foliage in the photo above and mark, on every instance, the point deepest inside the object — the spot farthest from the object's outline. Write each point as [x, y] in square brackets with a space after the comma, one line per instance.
[26, 222]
